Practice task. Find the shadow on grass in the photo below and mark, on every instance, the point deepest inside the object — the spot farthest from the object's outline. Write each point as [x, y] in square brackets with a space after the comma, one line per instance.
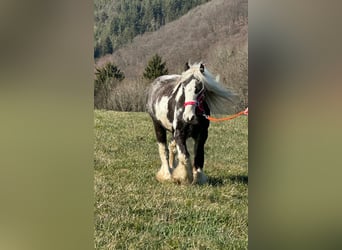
[239, 179]
[215, 181]
[220, 181]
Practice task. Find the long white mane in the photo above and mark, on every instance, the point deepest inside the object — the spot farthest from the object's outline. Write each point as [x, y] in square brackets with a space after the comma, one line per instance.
[221, 100]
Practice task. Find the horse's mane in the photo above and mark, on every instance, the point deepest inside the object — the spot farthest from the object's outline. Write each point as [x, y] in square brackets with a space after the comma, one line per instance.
[220, 100]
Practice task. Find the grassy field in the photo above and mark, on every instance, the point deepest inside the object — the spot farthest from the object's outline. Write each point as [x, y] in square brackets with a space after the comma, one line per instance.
[134, 211]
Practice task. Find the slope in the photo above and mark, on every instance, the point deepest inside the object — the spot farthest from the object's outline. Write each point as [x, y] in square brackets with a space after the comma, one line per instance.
[215, 33]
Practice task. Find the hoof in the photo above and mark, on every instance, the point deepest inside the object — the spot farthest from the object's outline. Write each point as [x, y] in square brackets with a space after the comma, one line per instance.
[163, 176]
[200, 178]
[181, 176]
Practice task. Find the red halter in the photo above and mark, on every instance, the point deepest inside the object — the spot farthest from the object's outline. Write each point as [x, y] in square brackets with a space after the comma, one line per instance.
[190, 103]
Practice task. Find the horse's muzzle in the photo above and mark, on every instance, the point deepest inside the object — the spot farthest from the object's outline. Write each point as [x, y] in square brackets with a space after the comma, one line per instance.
[189, 115]
[192, 119]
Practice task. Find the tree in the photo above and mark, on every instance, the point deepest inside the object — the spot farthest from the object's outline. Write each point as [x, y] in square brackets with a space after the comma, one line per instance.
[155, 68]
[106, 77]
[108, 71]
[97, 51]
[108, 46]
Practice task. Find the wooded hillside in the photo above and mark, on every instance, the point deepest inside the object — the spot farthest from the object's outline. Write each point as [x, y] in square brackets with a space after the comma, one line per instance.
[119, 21]
[215, 32]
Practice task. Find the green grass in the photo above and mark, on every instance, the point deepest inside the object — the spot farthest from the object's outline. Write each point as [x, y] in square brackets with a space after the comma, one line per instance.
[134, 211]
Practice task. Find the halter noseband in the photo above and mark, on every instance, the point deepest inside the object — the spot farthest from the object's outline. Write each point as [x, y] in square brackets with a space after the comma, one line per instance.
[190, 103]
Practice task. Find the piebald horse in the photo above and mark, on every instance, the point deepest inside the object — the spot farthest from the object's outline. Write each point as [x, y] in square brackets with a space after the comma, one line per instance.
[180, 104]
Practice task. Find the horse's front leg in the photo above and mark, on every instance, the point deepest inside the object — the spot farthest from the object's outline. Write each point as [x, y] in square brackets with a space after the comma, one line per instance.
[172, 153]
[182, 174]
[199, 176]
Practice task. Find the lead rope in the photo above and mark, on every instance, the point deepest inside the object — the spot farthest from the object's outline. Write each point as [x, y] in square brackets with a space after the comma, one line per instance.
[213, 119]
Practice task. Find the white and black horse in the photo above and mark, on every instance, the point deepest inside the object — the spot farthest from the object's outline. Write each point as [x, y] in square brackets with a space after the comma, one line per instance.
[179, 104]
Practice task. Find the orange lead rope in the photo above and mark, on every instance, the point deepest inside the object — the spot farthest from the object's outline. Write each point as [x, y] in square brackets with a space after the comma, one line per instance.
[245, 112]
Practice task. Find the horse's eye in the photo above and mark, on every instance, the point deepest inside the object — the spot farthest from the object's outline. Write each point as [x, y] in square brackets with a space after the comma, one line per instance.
[198, 88]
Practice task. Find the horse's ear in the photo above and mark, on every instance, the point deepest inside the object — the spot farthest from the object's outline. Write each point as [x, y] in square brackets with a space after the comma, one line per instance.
[187, 66]
[202, 68]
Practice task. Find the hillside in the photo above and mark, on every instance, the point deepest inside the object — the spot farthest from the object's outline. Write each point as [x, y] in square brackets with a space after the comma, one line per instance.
[215, 32]
[117, 22]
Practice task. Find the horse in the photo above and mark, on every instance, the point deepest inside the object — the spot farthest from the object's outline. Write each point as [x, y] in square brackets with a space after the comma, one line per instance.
[180, 105]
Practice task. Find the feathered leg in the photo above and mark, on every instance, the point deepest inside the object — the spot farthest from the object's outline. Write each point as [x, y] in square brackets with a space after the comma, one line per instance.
[164, 173]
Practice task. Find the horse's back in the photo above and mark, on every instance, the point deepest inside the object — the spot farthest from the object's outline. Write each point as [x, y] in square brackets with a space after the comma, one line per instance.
[165, 82]
[168, 77]
[160, 87]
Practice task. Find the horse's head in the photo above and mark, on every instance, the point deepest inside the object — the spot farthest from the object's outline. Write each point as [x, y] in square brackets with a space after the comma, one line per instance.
[193, 89]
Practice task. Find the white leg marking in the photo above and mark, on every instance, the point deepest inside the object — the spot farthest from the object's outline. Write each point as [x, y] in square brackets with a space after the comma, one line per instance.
[172, 153]
[183, 172]
[164, 173]
[190, 142]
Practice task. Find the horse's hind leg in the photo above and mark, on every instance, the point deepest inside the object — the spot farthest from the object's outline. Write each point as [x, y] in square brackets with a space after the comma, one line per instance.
[164, 173]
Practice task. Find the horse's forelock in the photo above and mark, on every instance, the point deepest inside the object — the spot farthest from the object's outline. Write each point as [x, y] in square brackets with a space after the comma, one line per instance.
[198, 71]
[219, 99]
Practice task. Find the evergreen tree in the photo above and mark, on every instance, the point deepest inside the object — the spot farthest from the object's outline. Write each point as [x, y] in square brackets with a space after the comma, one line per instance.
[107, 72]
[108, 46]
[97, 51]
[155, 68]
[106, 78]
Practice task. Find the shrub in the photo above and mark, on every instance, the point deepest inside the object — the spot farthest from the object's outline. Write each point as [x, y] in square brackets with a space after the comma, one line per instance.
[129, 96]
